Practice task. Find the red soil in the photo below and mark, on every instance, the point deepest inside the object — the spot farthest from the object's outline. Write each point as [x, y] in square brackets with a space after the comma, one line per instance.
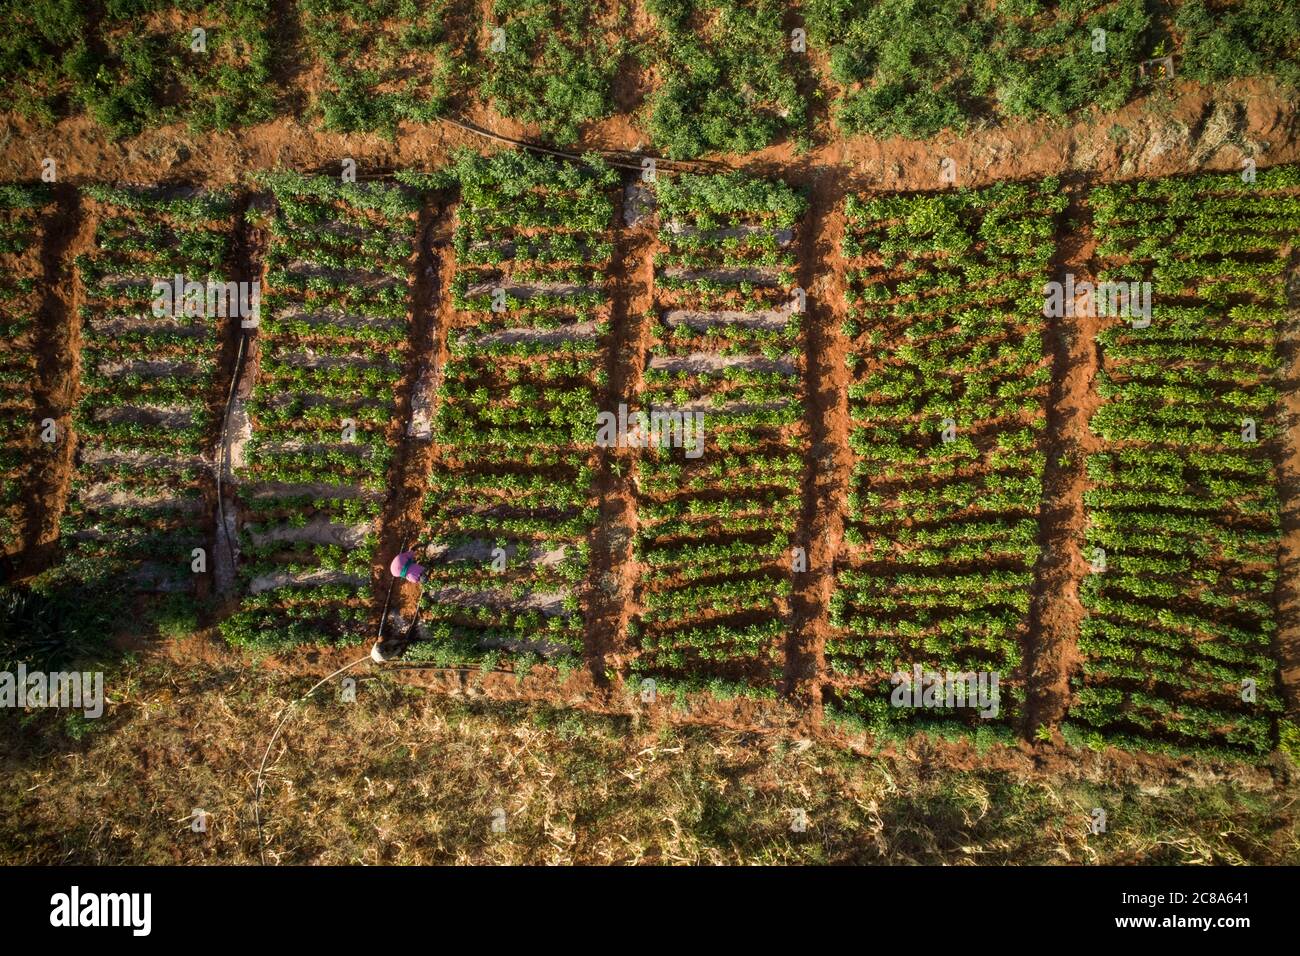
[1177, 129]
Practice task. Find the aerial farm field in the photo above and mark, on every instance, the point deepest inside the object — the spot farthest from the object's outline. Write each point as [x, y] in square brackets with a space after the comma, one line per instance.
[915, 381]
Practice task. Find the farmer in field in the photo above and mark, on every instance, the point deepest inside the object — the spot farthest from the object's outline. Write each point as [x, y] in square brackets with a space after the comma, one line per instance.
[404, 567]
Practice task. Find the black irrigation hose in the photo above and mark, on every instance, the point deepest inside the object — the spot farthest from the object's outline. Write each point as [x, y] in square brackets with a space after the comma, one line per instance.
[524, 144]
[221, 458]
[662, 164]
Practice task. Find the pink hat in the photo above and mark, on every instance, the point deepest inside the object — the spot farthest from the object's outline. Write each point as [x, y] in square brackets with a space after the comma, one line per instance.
[404, 566]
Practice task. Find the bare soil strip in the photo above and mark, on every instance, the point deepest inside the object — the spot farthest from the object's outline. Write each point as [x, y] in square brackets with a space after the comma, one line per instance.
[1164, 133]
[237, 367]
[430, 313]
[1055, 611]
[783, 236]
[705, 362]
[67, 235]
[318, 530]
[524, 291]
[275, 580]
[826, 480]
[612, 583]
[574, 332]
[772, 319]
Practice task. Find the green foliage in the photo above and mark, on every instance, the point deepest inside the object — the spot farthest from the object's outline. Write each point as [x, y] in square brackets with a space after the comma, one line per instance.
[559, 62]
[1184, 507]
[310, 200]
[516, 410]
[33, 45]
[332, 347]
[385, 61]
[144, 73]
[22, 455]
[945, 305]
[710, 200]
[730, 80]
[727, 78]
[915, 67]
[144, 420]
[716, 529]
[54, 624]
[1249, 38]
[907, 57]
[1289, 739]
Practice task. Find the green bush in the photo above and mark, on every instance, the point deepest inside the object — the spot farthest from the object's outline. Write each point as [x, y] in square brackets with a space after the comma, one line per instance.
[386, 61]
[730, 80]
[558, 65]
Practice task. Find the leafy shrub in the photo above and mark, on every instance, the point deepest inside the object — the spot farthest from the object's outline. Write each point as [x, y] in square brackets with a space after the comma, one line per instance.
[558, 65]
[1244, 39]
[147, 75]
[730, 80]
[385, 61]
[37, 36]
[915, 67]
[1185, 509]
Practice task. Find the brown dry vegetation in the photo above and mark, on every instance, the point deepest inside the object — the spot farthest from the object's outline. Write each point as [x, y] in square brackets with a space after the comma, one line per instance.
[407, 776]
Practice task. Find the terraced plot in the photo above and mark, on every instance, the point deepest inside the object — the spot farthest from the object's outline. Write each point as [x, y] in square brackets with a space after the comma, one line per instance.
[948, 391]
[947, 408]
[1183, 514]
[21, 233]
[332, 348]
[510, 506]
[145, 423]
[718, 479]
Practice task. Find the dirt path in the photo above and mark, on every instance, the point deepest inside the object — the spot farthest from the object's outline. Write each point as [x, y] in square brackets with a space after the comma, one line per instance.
[67, 235]
[403, 515]
[828, 463]
[236, 372]
[614, 572]
[1055, 611]
[1175, 129]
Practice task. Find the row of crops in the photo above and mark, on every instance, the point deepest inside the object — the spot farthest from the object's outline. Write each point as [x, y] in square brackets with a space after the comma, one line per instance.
[330, 354]
[511, 498]
[727, 75]
[21, 227]
[719, 487]
[144, 421]
[947, 408]
[1184, 510]
[949, 370]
